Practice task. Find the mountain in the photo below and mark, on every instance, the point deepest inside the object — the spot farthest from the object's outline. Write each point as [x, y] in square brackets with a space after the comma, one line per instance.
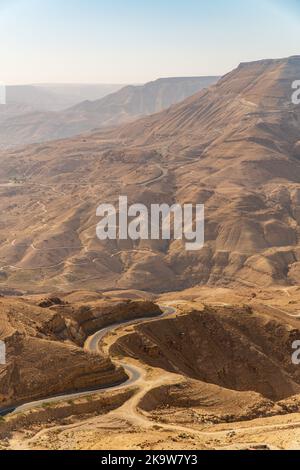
[136, 101]
[234, 147]
[125, 105]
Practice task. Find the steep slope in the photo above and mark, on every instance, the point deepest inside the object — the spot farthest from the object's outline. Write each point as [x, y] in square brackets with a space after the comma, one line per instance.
[122, 106]
[233, 147]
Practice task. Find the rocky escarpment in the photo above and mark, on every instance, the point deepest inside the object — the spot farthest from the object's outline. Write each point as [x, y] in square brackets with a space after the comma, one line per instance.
[78, 321]
[40, 368]
[43, 348]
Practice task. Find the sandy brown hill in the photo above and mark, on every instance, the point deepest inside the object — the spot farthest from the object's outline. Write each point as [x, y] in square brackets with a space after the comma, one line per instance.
[233, 147]
[125, 105]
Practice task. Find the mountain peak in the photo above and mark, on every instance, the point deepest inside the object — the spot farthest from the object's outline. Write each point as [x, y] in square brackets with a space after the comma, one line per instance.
[266, 82]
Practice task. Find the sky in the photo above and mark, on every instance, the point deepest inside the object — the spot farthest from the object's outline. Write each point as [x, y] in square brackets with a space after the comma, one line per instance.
[135, 41]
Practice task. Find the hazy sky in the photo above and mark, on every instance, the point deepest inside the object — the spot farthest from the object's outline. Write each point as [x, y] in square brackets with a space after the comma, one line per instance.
[131, 41]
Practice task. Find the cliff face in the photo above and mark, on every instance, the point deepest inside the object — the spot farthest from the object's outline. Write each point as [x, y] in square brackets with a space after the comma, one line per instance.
[82, 320]
[44, 356]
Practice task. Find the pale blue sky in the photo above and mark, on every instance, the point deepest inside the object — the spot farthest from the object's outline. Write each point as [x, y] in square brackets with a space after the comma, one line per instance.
[131, 41]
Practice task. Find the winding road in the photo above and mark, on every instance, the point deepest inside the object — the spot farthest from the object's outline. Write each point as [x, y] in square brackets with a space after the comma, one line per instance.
[156, 179]
[137, 376]
[92, 345]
